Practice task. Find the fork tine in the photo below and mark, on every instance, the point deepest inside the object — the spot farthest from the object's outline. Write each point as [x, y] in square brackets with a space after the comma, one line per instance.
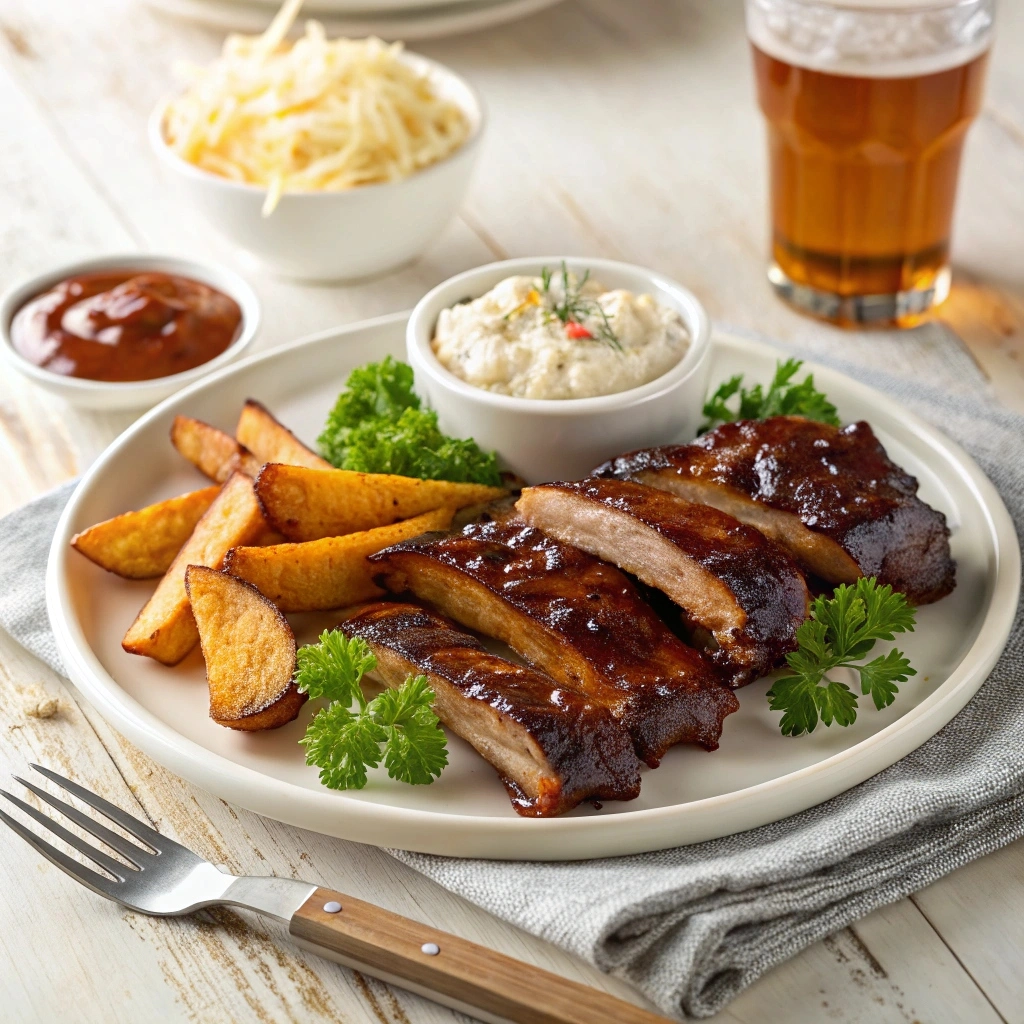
[79, 872]
[127, 849]
[115, 867]
[157, 842]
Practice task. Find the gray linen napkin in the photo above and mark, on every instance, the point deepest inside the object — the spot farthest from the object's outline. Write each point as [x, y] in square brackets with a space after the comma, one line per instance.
[693, 926]
[25, 537]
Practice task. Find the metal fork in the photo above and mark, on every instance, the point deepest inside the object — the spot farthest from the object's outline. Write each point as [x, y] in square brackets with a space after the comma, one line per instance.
[167, 879]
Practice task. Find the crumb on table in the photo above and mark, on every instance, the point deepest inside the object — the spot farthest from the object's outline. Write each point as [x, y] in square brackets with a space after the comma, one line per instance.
[37, 703]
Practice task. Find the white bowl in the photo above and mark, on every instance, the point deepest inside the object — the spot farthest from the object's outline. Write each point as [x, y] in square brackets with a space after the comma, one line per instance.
[338, 236]
[134, 394]
[563, 439]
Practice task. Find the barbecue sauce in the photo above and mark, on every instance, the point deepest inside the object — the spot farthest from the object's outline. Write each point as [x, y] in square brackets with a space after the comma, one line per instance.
[119, 325]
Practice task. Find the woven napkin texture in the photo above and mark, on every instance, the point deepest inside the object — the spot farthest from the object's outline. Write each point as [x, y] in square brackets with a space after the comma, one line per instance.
[693, 926]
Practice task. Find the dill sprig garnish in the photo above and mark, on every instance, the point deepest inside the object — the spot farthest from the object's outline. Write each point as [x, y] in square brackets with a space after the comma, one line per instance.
[574, 307]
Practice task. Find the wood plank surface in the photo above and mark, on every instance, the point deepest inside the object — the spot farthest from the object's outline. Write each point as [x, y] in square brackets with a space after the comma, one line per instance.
[617, 130]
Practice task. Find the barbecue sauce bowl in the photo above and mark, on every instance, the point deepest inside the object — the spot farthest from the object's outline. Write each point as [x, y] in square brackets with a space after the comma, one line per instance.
[124, 332]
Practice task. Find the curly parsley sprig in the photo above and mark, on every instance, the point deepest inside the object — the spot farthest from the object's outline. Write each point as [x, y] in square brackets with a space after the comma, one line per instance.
[397, 727]
[782, 398]
[841, 631]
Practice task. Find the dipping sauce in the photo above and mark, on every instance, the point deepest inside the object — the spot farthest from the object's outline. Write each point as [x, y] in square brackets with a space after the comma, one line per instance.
[558, 336]
[119, 325]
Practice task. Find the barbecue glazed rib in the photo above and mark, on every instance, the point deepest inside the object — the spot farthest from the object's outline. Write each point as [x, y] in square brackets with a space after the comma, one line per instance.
[829, 495]
[579, 620]
[732, 582]
[551, 747]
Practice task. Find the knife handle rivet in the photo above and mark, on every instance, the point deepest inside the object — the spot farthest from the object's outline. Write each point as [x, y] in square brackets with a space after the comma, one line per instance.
[332, 908]
[430, 948]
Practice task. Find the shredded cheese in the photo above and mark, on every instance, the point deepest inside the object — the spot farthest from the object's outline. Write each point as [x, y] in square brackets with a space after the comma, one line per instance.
[313, 115]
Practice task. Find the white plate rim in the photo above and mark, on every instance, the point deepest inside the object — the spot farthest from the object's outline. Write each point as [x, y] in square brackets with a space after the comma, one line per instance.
[483, 836]
[315, 9]
[410, 25]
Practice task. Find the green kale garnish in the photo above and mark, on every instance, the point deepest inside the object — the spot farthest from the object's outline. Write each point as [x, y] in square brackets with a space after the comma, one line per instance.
[378, 425]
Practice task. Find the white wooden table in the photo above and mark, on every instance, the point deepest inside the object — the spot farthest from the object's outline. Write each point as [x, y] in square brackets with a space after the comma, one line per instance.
[618, 129]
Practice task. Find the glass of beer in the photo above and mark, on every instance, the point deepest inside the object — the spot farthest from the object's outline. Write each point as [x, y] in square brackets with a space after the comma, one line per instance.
[867, 103]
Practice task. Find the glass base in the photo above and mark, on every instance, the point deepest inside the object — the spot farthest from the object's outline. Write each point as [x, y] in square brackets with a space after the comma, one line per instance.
[900, 309]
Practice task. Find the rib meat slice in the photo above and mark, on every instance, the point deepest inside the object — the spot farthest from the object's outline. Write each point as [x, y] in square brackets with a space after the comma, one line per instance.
[578, 619]
[552, 747]
[829, 495]
[732, 582]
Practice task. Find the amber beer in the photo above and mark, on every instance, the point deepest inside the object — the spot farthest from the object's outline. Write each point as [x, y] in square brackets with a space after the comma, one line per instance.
[863, 180]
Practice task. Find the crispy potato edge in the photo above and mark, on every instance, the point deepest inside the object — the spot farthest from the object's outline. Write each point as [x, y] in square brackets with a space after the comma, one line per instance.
[296, 576]
[256, 423]
[174, 635]
[316, 492]
[97, 542]
[286, 706]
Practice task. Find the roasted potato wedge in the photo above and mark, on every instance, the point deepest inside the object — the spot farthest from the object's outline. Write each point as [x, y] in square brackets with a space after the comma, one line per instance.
[328, 573]
[140, 545]
[211, 451]
[308, 504]
[271, 441]
[165, 629]
[249, 650]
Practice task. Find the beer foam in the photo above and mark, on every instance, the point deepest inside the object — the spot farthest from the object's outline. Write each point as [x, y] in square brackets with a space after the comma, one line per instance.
[874, 42]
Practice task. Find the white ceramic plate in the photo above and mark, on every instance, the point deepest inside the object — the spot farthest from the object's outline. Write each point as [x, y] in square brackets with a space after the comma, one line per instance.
[363, 8]
[422, 22]
[756, 776]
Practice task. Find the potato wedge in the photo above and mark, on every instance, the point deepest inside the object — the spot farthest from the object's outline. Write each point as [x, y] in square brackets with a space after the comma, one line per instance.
[165, 629]
[210, 450]
[308, 504]
[328, 573]
[271, 441]
[140, 545]
[249, 650]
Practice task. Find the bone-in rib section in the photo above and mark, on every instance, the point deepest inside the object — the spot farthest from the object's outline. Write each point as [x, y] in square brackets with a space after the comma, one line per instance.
[552, 747]
[830, 495]
[736, 587]
[578, 619]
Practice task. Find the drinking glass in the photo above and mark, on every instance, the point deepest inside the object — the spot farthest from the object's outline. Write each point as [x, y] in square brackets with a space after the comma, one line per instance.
[867, 103]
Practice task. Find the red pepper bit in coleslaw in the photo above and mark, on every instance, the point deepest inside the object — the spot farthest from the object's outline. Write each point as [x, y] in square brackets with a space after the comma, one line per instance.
[576, 331]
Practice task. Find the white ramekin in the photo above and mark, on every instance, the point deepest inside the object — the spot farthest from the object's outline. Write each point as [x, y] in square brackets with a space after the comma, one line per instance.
[337, 236]
[134, 394]
[563, 439]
